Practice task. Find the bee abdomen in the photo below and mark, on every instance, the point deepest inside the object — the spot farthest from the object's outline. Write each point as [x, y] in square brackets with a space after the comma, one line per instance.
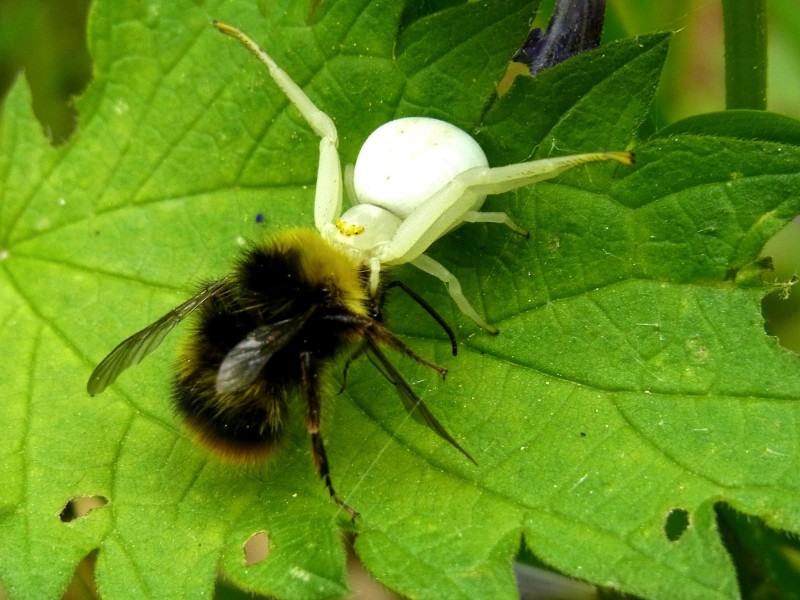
[242, 426]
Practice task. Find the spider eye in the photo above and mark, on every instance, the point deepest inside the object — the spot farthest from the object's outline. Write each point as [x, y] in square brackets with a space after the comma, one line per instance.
[348, 229]
[366, 226]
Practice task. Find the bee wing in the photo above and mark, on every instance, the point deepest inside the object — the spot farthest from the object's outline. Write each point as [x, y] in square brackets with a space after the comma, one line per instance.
[132, 350]
[244, 361]
[413, 403]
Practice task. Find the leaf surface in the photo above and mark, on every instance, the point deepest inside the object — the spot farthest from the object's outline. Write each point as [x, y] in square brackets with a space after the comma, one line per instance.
[632, 377]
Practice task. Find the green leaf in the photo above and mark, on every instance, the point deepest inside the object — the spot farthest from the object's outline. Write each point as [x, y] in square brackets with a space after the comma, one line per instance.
[632, 380]
[742, 124]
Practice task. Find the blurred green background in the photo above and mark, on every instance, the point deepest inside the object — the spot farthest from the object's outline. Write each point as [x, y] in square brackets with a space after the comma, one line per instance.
[45, 40]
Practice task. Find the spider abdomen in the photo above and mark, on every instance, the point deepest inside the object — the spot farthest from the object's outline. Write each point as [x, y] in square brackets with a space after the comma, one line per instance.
[405, 161]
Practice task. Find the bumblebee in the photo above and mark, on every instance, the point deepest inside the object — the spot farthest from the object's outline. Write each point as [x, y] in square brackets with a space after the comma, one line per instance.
[267, 332]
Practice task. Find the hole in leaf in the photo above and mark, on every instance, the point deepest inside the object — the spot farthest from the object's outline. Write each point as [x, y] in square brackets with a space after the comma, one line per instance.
[256, 548]
[781, 309]
[82, 584]
[676, 524]
[362, 584]
[80, 506]
[537, 581]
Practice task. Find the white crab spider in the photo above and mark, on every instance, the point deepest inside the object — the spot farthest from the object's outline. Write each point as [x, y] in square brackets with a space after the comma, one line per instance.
[415, 179]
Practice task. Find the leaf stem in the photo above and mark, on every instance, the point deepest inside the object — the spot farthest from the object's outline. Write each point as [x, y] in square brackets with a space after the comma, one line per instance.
[745, 53]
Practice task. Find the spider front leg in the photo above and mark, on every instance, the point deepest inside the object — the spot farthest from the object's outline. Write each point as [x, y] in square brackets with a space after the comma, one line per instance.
[453, 205]
[446, 209]
[328, 196]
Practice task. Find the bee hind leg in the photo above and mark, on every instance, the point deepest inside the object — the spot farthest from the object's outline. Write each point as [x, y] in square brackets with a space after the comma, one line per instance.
[321, 464]
[311, 386]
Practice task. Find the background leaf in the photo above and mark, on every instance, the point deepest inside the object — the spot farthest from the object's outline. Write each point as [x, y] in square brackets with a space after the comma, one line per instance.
[632, 379]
